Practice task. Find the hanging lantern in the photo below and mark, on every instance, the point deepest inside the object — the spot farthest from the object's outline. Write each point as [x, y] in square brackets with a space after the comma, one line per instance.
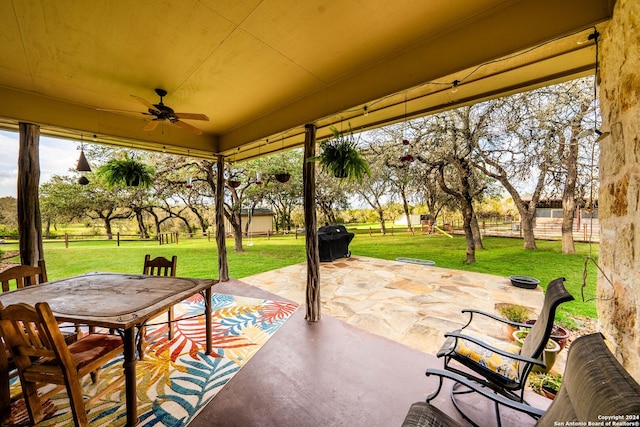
[83, 164]
[189, 182]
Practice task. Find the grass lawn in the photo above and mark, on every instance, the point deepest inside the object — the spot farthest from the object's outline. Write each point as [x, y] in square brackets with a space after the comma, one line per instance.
[197, 257]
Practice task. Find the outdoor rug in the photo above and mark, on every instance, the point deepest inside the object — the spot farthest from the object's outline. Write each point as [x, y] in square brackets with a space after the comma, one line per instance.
[176, 379]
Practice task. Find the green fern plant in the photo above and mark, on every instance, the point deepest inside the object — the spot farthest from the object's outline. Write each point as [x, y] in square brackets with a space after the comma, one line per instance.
[340, 157]
[128, 172]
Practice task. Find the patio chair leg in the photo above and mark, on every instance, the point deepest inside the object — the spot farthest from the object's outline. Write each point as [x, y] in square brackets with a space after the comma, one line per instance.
[434, 394]
[454, 393]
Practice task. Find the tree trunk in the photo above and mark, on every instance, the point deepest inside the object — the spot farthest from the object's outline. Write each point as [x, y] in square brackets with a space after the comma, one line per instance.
[569, 196]
[141, 227]
[568, 212]
[223, 264]
[475, 229]
[311, 233]
[467, 215]
[236, 223]
[383, 225]
[527, 229]
[405, 206]
[29, 220]
[107, 227]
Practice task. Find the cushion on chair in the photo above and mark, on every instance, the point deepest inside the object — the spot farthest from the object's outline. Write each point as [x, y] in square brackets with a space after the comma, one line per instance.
[501, 365]
[88, 348]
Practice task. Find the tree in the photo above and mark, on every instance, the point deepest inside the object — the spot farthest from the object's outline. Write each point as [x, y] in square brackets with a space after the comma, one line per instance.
[534, 134]
[448, 155]
[374, 188]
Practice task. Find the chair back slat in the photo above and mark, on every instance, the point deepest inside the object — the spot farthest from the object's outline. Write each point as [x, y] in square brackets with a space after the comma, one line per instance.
[536, 340]
[594, 385]
[23, 275]
[160, 266]
[29, 335]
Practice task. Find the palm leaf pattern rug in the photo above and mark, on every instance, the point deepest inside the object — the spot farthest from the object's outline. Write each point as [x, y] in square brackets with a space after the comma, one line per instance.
[176, 379]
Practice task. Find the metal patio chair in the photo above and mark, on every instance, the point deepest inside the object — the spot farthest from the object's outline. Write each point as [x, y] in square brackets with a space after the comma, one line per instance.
[491, 364]
[594, 386]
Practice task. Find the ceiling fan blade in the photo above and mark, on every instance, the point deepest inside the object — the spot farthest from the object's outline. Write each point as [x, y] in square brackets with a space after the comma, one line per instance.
[130, 113]
[187, 126]
[192, 116]
[145, 102]
[150, 126]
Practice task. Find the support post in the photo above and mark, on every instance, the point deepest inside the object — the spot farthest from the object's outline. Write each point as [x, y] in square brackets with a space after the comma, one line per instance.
[223, 265]
[29, 220]
[311, 232]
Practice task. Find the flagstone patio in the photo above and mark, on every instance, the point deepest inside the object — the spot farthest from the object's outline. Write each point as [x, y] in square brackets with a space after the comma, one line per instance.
[408, 303]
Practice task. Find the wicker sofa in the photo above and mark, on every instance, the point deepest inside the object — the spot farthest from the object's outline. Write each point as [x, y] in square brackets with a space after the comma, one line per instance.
[595, 388]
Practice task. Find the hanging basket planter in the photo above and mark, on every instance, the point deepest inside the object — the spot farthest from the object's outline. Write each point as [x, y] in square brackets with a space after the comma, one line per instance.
[283, 177]
[233, 183]
[341, 158]
[127, 172]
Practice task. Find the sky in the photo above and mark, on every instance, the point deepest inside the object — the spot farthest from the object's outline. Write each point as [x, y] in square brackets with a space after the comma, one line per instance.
[57, 156]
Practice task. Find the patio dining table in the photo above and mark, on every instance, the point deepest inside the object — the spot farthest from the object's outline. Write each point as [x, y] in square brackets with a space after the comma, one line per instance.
[124, 302]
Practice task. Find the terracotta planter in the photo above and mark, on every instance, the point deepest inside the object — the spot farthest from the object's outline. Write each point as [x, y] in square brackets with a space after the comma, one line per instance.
[548, 393]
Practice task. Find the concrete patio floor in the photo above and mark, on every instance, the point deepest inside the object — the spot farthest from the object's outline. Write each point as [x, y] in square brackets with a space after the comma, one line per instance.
[363, 363]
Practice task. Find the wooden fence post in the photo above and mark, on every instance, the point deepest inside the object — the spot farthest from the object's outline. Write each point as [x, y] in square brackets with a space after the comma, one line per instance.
[118, 237]
[66, 240]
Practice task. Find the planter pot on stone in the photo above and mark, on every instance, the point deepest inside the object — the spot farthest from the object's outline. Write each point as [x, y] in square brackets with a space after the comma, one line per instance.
[558, 333]
[548, 356]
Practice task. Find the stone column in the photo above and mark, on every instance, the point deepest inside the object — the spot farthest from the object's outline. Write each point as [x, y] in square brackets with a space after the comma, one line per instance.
[619, 196]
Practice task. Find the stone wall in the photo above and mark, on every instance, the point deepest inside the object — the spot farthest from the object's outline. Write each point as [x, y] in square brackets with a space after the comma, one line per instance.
[619, 198]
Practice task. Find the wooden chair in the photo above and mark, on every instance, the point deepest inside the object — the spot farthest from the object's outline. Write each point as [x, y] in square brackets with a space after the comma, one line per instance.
[42, 355]
[18, 277]
[159, 266]
[23, 275]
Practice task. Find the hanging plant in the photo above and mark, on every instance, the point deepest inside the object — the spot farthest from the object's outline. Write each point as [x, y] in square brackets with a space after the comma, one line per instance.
[233, 183]
[283, 177]
[127, 172]
[341, 158]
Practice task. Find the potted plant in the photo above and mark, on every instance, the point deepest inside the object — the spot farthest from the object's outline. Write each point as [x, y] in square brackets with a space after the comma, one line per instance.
[547, 385]
[551, 351]
[558, 333]
[233, 183]
[551, 385]
[341, 158]
[514, 313]
[283, 177]
[128, 172]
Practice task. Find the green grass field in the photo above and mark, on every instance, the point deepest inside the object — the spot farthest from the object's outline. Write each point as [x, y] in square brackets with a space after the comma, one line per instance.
[197, 257]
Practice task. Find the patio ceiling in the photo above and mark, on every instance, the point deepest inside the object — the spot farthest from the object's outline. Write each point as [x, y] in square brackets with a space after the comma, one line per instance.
[261, 69]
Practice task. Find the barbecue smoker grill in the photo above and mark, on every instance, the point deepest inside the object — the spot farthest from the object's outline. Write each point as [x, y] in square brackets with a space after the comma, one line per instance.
[333, 242]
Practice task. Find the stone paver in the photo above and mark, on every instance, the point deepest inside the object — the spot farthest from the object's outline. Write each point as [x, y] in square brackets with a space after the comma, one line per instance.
[409, 303]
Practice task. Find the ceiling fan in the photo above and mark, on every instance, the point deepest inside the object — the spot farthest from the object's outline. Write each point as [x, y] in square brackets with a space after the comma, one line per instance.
[163, 113]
